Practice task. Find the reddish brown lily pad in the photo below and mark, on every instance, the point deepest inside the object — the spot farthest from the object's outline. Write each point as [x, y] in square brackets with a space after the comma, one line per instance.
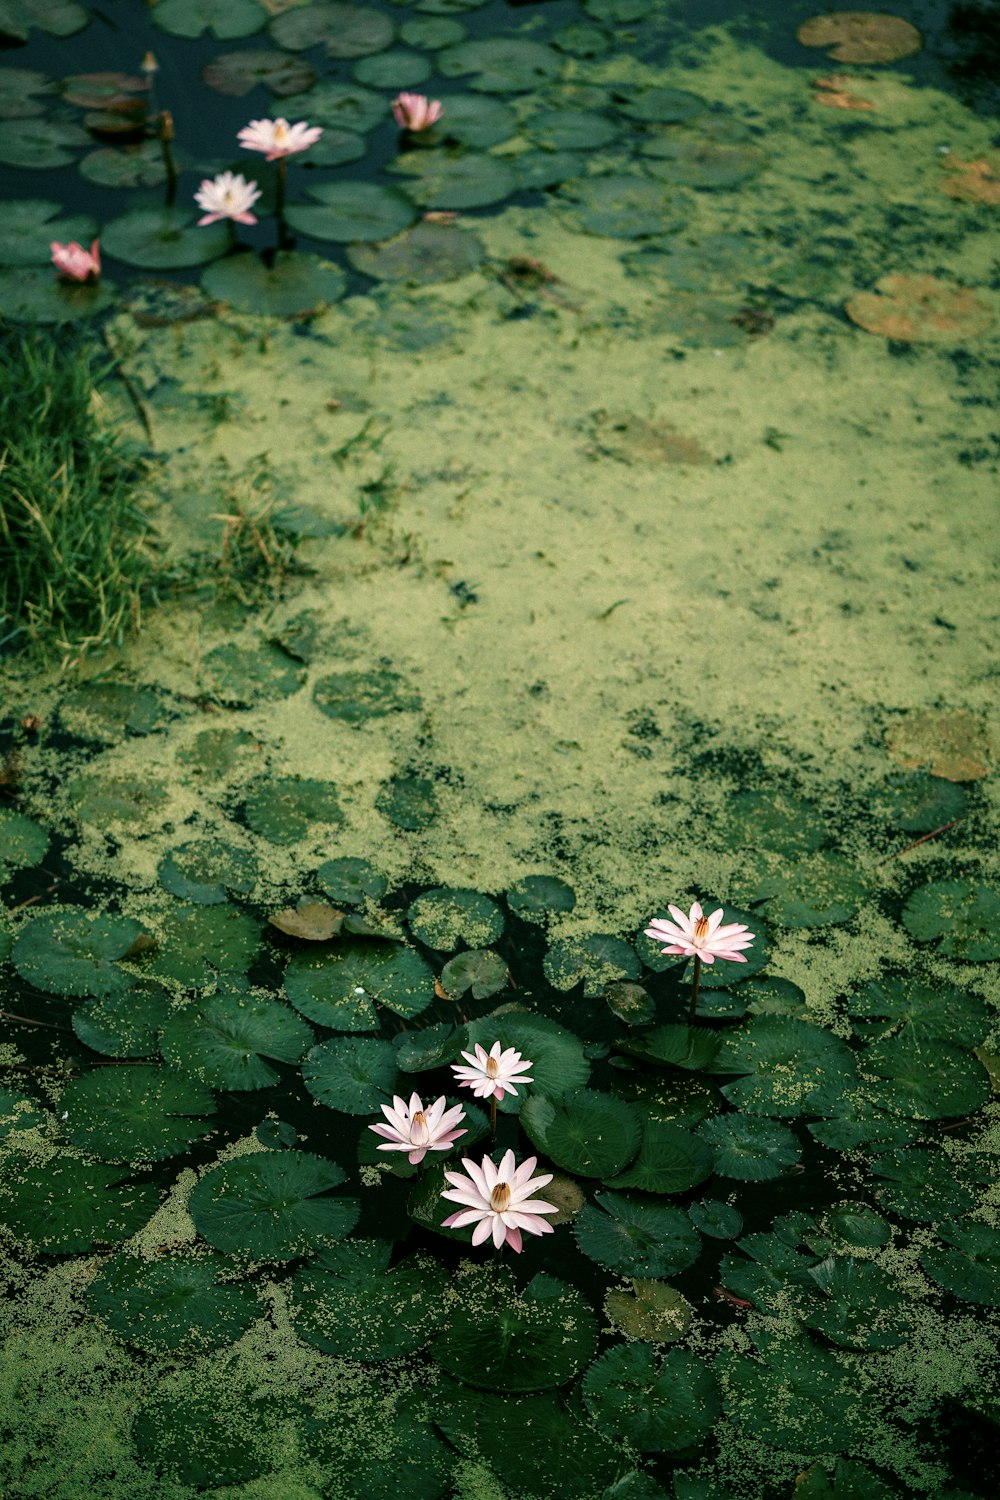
[951, 743]
[834, 93]
[236, 73]
[314, 921]
[632, 440]
[972, 181]
[861, 36]
[920, 310]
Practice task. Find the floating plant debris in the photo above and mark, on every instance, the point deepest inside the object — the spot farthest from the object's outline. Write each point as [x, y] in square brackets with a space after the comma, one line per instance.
[920, 309]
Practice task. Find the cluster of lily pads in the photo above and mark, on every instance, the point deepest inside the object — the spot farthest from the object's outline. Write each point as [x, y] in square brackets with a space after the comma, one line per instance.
[815, 1178]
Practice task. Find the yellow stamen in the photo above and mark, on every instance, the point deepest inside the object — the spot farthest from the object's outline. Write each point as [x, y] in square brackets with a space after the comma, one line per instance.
[700, 929]
[492, 1067]
[500, 1197]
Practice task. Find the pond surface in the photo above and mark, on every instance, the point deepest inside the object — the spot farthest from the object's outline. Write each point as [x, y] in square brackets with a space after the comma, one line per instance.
[586, 506]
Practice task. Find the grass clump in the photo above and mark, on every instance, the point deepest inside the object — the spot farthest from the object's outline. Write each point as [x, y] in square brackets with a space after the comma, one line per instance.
[74, 541]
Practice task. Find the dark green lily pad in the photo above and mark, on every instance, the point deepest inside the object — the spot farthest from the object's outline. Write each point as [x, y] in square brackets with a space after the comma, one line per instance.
[272, 1205]
[932, 1080]
[197, 943]
[65, 1206]
[432, 32]
[689, 1047]
[793, 1067]
[76, 952]
[293, 286]
[337, 147]
[558, 1061]
[224, 19]
[441, 179]
[356, 697]
[421, 255]
[963, 918]
[447, 919]
[670, 1160]
[865, 1308]
[658, 1406]
[124, 1025]
[536, 1435]
[223, 1041]
[395, 69]
[536, 897]
[107, 711]
[571, 130]
[207, 1431]
[317, 986]
[624, 206]
[748, 1147]
[342, 106]
[206, 871]
[286, 809]
[237, 73]
[38, 143]
[928, 1012]
[409, 802]
[343, 983]
[430, 1047]
[18, 88]
[132, 1114]
[350, 880]
[800, 1397]
[18, 1114]
[57, 17]
[502, 65]
[32, 294]
[345, 30]
[355, 1075]
[917, 802]
[218, 754]
[844, 1480]
[822, 889]
[472, 120]
[587, 1133]
[174, 1304]
[164, 239]
[660, 106]
[352, 211]
[630, 1002]
[777, 820]
[412, 1459]
[113, 799]
[636, 1238]
[480, 971]
[695, 158]
[545, 169]
[349, 1303]
[721, 1221]
[920, 1183]
[969, 1265]
[23, 842]
[595, 961]
[29, 224]
[504, 1339]
[651, 1311]
[243, 675]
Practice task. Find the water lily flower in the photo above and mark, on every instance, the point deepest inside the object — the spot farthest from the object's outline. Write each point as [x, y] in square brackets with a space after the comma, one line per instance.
[74, 263]
[227, 196]
[276, 138]
[498, 1200]
[417, 1130]
[492, 1073]
[414, 112]
[701, 937]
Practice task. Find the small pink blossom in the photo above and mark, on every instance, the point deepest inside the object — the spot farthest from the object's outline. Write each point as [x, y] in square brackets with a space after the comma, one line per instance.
[276, 138]
[414, 112]
[492, 1073]
[228, 196]
[417, 1130]
[498, 1200]
[698, 936]
[74, 263]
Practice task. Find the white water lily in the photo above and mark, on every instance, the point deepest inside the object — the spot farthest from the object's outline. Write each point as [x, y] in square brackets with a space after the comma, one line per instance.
[492, 1073]
[498, 1201]
[417, 1130]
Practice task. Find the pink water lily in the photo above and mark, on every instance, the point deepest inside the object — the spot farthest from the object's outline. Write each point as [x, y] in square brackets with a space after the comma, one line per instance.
[701, 937]
[415, 112]
[74, 263]
[492, 1073]
[276, 138]
[497, 1199]
[417, 1130]
[227, 196]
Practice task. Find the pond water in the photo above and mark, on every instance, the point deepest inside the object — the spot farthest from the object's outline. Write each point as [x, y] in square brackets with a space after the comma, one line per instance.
[584, 506]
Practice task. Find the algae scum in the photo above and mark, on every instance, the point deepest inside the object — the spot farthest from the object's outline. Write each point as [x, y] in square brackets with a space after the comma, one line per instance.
[586, 506]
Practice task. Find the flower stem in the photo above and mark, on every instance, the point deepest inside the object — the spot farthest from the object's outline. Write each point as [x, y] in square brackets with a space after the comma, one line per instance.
[493, 1116]
[693, 1013]
[165, 134]
[279, 201]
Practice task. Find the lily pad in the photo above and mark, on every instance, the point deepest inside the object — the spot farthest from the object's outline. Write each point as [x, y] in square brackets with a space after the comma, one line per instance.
[800, 1397]
[865, 1308]
[341, 984]
[969, 1264]
[337, 147]
[29, 224]
[342, 106]
[30, 294]
[244, 675]
[658, 1406]
[919, 1183]
[107, 711]
[132, 1114]
[952, 743]
[292, 287]
[163, 238]
[793, 1067]
[349, 1303]
[446, 919]
[106, 799]
[699, 159]
[476, 121]
[65, 1206]
[502, 65]
[395, 69]
[748, 1147]
[174, 1304]
[963, 918]
[843, 1480]
[207, 1430]
[197, 943]
[621, 205]
[651, 1311]
[38, 143]
[504, 1339]
[355, 697]
[23, 842]
[272, 1205]
[587, 1133]
[932, 1080]
[920, 309]
[918, 802]
[352, 211]
[441, 179]
[76, 952]
[409, 802]
[223, 1041]
[124, 1025]
[718, 1220]
[823, 889]
[432, 32]
[778, 820]
[630, 1002]
[206, 871]
[355, 1075]
[670, 1160]
[535, 898]
[286, 809]
[479, 971]
[558, 1061]
[689, 1047]
[636, 1238]
[18, 90]
[344, 30]
[571, 130]
[536, 1435]
[351, 880]
[421, 255]
[237, 73]
[927, 1012]
[861, 36]
[593, 961]
[224, 19]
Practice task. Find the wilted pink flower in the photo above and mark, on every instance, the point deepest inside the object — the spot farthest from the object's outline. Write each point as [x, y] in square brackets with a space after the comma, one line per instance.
[74, 263]
[415, 112]
[227, 196]
[492, 1073]
[417, 1130]
[698, 936]
[277, 138]
[498, 1200]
